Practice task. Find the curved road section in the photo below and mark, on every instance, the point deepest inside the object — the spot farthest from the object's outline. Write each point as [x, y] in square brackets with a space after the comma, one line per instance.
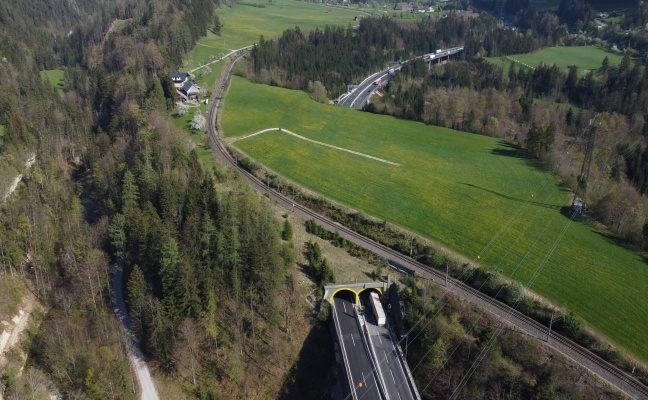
[134, 352]
[615, 376]
[358, 98]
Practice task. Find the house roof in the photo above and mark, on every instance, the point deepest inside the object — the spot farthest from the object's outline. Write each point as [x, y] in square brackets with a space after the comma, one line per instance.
[179, 76]
[189, 87]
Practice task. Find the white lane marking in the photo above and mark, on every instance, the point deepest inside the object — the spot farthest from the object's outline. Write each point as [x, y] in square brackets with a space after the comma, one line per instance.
[344, 304]
[379, 337]
[399, 396]
[392, 374]
[353, 340]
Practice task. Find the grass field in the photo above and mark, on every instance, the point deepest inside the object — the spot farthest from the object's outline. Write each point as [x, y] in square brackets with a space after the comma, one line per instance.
[585, 57]
[55, 76]
[460, 189]
[243, 25]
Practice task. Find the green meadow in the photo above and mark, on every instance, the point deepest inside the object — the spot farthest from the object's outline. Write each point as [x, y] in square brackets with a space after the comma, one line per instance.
[55, 76]
[245, 24]
[584, 57]
[474, 194]
[242, 26]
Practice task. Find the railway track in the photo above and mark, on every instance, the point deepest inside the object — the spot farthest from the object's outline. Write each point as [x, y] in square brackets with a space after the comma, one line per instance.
[614, 375]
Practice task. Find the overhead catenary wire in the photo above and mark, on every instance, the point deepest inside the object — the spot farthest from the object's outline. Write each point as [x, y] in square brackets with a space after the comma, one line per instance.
[551, 252]
[487, 346]
[490, 243]
[530, 283]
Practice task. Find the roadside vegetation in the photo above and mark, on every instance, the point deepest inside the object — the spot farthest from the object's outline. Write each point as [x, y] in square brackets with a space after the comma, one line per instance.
[456, 335]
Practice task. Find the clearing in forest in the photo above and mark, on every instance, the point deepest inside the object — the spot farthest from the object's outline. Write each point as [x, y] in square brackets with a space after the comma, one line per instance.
[55, 76]
[584, 57]
[475, 194]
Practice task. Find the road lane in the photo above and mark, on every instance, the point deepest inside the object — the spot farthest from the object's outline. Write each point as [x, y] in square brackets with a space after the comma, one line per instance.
[362, 376]
[389, 363]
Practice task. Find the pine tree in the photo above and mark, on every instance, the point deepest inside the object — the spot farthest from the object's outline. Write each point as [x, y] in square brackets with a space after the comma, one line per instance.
[287, 232]
[117, 234]
[136, 299]
[169, 274]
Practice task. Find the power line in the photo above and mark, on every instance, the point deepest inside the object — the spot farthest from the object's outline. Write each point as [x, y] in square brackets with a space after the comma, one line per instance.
[482, 354]
[493, 239]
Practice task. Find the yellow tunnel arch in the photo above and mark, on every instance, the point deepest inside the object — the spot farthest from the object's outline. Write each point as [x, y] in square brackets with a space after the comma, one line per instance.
[357, 294]
[369, 288]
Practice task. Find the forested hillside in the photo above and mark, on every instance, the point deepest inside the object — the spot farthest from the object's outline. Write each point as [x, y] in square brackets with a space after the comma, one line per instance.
[208, 278]
[339, 56]
[113, 182]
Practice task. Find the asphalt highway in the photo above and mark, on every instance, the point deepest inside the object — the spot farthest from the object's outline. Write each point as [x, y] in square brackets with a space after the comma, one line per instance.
[363, 380]
[389, 364]
[360, 95]
[358, 98]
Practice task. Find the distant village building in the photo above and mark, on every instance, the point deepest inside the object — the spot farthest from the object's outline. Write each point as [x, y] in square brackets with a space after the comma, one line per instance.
[466, 14]
[411, 7]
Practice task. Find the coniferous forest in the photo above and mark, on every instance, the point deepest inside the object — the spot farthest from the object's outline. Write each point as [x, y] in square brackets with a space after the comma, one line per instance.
[113, 182]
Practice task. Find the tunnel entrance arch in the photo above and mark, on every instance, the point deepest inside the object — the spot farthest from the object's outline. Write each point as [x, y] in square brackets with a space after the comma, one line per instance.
[354, 288]
[353, 295]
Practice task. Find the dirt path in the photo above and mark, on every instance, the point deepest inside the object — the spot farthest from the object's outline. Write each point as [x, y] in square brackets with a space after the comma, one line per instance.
[218, 59]
[12, 329]
[134, 352]
[319, 143]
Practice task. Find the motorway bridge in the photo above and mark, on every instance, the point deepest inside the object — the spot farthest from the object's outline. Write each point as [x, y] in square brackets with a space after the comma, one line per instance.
[361, 93]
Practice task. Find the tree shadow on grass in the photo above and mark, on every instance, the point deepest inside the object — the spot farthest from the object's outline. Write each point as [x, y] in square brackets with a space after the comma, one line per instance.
[508, 149]
[505, 196]
[618, 241]
[311, 376]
